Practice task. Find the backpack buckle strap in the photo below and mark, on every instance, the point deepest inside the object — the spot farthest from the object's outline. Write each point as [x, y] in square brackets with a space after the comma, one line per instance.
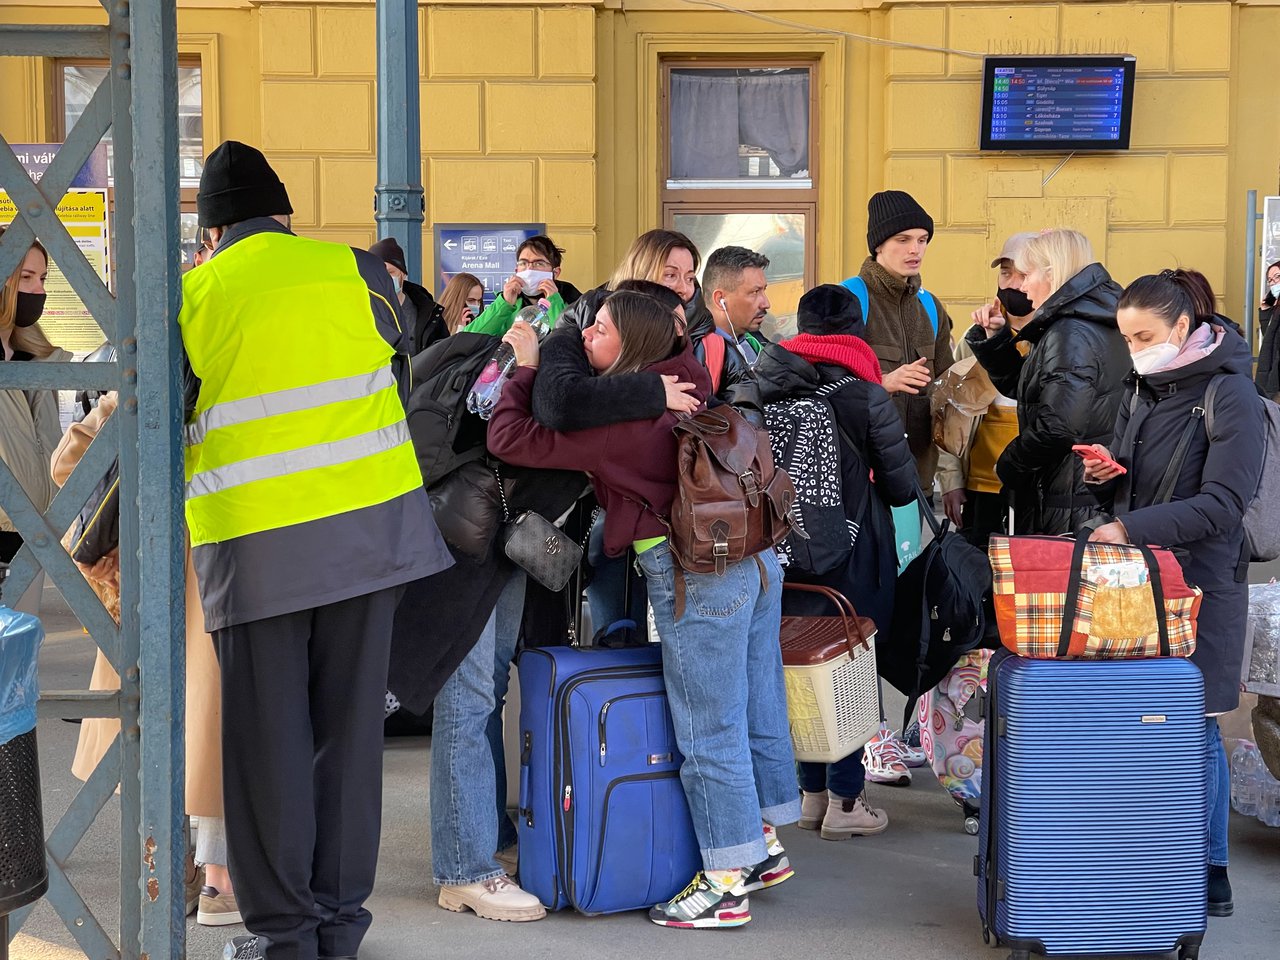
[751, 487]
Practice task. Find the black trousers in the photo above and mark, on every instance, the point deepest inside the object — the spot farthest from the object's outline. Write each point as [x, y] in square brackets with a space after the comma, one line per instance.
[984, 514]
[302, 710]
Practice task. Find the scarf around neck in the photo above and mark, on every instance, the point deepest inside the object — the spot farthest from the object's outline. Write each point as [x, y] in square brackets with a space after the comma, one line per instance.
[844, 350]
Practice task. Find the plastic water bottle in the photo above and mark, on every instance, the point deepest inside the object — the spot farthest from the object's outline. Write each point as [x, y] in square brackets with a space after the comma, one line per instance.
[487, 390]
[1269, 800]
[1246, 778]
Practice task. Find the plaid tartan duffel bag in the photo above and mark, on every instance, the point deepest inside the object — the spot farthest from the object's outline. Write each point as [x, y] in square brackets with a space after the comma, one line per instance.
[1058, 597]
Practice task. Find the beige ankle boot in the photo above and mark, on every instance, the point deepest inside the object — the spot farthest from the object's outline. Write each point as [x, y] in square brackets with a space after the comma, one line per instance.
[813, 807]
[852, 816]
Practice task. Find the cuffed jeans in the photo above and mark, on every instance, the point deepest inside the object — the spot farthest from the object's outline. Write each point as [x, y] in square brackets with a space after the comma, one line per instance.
[211, 841]
[1218, 789]
[465, 756]
[722, 667]
[845, 778]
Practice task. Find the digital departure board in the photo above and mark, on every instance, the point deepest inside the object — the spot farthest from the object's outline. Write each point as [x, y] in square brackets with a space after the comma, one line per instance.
[1057, 103]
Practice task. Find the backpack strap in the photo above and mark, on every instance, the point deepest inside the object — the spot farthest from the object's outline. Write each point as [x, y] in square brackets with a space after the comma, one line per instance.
[930, 304]
[1211, 394]
[713, 346]
[1164, 493]
[858, 287]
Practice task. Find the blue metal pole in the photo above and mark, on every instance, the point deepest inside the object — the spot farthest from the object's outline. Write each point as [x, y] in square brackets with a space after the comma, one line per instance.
[399, 202]
[151, 453]
[1250, 264]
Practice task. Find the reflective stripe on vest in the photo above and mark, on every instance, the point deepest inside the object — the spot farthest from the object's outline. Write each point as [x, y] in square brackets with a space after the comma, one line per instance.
[298, 416]
[287, 401]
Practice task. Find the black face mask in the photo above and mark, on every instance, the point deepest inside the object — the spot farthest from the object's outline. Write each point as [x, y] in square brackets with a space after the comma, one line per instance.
[29, 308]
[1016, 303]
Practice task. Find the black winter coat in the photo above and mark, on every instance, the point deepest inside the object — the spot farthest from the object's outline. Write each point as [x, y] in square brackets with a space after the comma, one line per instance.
[867, 414]
[430, 325]
[1203, 521]
[737, 385]
[1068, 389]
[1268, 375]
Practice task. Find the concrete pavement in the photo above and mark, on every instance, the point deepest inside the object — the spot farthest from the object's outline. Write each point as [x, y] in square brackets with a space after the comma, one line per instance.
[907, 894]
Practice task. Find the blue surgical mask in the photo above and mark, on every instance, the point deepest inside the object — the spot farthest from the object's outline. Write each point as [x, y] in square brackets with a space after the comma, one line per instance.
[398, 284]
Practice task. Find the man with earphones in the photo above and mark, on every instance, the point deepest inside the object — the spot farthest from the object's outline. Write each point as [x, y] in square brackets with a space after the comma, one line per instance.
[733, 283]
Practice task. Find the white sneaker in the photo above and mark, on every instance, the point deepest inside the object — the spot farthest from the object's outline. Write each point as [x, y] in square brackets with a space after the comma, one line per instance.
[883, 759]
[913, 754]
[495, 899]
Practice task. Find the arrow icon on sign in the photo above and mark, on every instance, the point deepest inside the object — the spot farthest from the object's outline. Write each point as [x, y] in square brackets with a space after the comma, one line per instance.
[450, 244]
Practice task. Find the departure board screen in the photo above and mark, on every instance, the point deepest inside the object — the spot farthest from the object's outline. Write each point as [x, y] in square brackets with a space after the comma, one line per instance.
[1057, 103]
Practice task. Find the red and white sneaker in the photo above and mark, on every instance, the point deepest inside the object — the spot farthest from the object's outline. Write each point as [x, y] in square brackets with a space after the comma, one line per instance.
[884, 760]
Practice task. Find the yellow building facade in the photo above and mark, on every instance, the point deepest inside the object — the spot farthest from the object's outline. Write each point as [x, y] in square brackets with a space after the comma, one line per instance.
[561, 114]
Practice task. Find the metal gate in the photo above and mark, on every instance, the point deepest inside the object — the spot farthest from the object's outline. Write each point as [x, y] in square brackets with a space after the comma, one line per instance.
[138, 102]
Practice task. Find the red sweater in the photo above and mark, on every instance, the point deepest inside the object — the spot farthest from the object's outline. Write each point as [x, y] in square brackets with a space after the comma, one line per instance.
[632, 464]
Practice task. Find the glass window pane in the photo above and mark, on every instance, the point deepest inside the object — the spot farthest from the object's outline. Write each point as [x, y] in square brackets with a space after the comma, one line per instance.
[747, 125]
[779, 236]
[80, 81]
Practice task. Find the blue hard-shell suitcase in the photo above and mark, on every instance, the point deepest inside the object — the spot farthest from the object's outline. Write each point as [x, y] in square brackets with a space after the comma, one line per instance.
[1094, 829]
[603, 821]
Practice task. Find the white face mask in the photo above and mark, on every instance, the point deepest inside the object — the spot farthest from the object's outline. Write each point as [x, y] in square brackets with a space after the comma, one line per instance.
[475, 306]
[1157, 357]
[398, 284]
[1275, 290]
[532, 278]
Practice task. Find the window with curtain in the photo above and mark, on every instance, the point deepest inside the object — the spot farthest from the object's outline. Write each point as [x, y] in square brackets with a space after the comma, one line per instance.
[747, 124]
[739, 168]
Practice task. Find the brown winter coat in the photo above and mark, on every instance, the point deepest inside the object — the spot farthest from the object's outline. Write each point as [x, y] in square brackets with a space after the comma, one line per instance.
[204, 685]
[900, 332]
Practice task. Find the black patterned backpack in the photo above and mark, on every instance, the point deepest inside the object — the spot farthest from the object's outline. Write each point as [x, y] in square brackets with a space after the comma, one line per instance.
[809, 445]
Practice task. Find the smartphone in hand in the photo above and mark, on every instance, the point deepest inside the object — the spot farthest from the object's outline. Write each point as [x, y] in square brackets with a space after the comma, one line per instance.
[1087, 452]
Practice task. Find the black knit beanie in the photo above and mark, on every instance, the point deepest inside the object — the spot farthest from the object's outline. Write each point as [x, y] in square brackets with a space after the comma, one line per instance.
[828, 310]
[388, 251]
[238, 184]
[889, 213]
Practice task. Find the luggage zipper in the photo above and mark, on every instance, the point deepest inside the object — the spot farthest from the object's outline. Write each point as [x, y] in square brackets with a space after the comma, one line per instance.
[991, 712]
[526, 752]
[604, 823]
[563, 758]
[604, 713]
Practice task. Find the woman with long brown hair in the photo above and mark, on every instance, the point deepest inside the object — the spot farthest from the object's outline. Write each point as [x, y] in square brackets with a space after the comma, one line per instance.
[30, 429]
[462, 301]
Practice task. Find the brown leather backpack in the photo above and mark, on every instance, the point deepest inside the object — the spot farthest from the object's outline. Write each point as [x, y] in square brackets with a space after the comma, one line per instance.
[731, 502]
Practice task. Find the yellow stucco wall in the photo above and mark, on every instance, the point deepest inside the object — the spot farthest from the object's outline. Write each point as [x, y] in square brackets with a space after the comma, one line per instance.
[548, 112]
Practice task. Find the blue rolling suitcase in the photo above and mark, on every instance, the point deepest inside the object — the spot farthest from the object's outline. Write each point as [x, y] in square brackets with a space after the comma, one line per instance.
[1094, 829]
[603, 821]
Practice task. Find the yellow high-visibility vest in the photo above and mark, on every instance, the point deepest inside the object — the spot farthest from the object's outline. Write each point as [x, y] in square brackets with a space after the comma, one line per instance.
[298, 416]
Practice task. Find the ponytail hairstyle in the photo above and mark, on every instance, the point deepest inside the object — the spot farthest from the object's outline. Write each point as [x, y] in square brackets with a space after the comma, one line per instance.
[1170, 295]
[647, 329]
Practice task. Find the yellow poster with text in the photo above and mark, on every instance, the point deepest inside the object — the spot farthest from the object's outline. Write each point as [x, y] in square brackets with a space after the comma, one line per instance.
[66, 321]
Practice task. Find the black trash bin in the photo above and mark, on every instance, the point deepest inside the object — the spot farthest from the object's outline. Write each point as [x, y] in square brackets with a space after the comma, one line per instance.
[24, 876]
[24, 873]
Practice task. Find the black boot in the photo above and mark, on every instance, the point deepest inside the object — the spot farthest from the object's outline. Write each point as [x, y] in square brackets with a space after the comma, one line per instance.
[1220, 904]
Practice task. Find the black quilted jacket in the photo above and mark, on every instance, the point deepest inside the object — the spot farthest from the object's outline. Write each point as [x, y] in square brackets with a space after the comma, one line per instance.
[1068, 389]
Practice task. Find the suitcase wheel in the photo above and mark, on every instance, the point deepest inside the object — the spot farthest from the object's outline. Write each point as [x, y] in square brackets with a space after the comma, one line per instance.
[1189, 952]
[971, 828]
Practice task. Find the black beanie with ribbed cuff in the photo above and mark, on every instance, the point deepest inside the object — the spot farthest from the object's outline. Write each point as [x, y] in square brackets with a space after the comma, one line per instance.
[891, 212]
[238, 184]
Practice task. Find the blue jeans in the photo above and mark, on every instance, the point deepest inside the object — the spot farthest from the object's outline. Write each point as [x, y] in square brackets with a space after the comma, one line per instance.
[1218, 786]
[464, 761]
[722, 667]
[845, 778]
[606, 595]
[510, 612]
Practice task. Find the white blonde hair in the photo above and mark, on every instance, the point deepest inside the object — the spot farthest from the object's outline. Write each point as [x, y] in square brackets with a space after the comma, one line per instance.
[1061, 253]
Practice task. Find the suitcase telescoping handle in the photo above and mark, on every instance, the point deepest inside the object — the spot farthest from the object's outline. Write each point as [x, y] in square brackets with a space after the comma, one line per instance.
[1076, 577]
[852, 624]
